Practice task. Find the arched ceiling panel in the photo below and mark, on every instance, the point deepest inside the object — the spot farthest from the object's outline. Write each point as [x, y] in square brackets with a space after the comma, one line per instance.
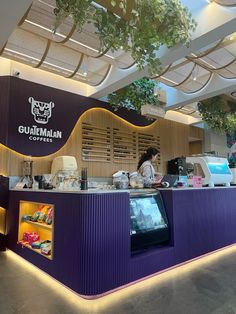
[226, 2]
[25, 47]
[67, 52]
[186, 76]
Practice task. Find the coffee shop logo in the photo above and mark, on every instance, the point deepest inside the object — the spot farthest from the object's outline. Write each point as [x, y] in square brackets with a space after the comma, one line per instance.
[42, 111]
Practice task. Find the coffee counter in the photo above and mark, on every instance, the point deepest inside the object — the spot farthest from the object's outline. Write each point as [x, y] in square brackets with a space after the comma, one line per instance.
[91, 234]
[89, 191]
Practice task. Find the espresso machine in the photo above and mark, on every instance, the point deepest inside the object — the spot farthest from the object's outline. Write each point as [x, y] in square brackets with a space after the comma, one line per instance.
[213, 169]
[177, 166]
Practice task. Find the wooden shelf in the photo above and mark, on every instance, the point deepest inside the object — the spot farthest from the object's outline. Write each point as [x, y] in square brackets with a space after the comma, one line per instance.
[88, 126]
[39, 224]
[36, 250]
[97, 160]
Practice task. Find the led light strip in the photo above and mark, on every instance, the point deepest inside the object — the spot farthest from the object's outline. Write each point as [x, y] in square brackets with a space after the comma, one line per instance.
[124, 292]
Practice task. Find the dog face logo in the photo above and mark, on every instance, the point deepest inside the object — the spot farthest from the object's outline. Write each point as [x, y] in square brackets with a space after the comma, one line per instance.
[41, 111]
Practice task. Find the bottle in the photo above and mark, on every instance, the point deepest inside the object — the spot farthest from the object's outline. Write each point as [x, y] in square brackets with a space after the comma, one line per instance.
[84, 179]
[35, 185]
[190, 179]
[124, 181]
[30, 182]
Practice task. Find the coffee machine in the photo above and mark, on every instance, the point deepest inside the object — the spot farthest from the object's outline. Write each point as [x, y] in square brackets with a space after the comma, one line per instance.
[177, 166]
[213, 169]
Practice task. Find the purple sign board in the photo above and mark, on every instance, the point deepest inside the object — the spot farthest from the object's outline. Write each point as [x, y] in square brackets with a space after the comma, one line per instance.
[38, 120]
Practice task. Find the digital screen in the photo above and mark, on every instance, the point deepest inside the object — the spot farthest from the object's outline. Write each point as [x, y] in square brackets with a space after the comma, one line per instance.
[218, 168]
[145, 215]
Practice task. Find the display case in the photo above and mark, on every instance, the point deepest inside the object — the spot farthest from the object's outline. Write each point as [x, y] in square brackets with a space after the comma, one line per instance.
[149, 224]
[36, 227]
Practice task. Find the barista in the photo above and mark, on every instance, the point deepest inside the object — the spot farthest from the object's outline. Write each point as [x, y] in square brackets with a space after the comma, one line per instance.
[145, 167]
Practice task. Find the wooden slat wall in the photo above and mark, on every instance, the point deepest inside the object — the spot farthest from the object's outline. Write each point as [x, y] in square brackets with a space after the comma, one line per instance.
[124, 146]
[96, 143]
[106, 133]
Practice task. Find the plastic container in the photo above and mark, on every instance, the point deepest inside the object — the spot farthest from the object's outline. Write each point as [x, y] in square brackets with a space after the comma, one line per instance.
[136, 180]
[120, 180]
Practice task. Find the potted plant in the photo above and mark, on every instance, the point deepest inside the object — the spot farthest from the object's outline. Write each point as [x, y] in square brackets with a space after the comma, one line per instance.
[136, 95]
[219, 114]
[149, 25]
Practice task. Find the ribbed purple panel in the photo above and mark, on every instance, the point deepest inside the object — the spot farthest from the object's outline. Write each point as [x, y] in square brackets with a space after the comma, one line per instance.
[204, 220]
[105, 246]
[92, 241]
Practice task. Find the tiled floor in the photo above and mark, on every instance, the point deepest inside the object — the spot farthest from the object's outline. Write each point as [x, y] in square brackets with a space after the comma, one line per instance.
[199, 289]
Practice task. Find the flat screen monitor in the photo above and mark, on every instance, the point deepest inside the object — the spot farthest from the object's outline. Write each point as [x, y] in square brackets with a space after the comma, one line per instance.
[149, 224]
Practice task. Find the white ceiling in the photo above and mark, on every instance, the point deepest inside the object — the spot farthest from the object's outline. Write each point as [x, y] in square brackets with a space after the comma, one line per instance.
[204, 69]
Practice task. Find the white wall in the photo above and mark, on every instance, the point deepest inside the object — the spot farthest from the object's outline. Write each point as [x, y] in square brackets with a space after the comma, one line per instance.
[215, 142]
[9, 67]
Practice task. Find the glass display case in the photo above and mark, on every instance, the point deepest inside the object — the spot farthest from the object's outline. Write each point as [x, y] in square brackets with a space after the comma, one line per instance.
[149, 224]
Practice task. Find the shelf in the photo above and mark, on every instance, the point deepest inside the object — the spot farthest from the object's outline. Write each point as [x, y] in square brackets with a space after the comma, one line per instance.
[35, 250]
[39, 224]
[45, 232]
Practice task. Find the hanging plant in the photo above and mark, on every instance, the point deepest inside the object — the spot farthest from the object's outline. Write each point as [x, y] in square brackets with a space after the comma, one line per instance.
[219, 114]
[135, 95]
[149, 25]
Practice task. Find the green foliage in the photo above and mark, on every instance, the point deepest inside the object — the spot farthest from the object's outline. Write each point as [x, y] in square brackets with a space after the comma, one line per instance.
[135, 95]
[151, 24]
[219, 114]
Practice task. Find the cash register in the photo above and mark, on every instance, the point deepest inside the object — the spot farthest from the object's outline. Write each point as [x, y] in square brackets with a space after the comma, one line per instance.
[213, 169]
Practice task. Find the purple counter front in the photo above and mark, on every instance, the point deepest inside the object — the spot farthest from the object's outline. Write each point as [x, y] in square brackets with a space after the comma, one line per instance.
[92, 253]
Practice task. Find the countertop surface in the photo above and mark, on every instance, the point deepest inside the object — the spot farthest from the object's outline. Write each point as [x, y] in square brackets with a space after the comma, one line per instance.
[130, 191]
[89, 191]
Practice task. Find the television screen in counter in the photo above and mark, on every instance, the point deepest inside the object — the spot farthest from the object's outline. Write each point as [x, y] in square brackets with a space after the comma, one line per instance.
[145, 215]
[149, 224]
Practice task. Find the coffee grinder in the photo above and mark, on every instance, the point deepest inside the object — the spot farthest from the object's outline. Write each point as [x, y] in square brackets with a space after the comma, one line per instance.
[27, 168]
